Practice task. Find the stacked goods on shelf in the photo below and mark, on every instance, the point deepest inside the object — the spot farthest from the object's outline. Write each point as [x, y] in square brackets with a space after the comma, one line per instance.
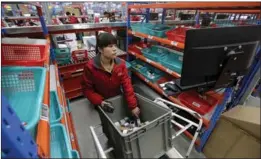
[178, 34]
[151, 73]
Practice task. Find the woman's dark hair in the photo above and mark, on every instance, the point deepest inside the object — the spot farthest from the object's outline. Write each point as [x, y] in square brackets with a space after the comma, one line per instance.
[68, 13]
[104, 40]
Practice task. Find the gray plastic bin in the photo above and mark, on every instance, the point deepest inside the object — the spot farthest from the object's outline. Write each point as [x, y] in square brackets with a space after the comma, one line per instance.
[151, 140]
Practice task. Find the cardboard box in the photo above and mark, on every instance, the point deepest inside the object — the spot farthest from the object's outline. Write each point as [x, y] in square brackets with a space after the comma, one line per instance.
[247, 118]
[235, 135]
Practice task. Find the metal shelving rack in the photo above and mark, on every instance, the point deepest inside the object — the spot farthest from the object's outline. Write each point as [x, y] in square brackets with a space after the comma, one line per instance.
[251, 7]
[42, 148]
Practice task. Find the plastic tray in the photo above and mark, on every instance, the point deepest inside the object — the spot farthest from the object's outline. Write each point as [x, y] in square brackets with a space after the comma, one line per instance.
[178, 34]
[55, 108]
[62, 61]
[60, 146]
[24, 89]
[144, 71]
[173, 61]
[149, 141]
[23, 54]
[155, 53]
[158, 30]
[192, 100]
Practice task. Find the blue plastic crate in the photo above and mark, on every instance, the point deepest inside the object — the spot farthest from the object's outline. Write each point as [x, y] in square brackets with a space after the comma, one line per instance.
[155, 53]
[55, 108]
[158, 30]
[75, 154]
[62, 61]
[60, 146]
[24, 89]
[173, 61]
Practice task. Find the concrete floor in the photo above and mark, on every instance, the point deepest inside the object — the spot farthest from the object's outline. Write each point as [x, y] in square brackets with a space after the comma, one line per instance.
[84, 116]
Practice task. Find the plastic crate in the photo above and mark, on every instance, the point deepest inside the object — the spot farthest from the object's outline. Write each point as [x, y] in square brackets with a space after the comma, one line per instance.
[173, 61]
[158, 30]
[75, 154]
[149, 141]
[63, 61]
[141, 27]
[79, 55]
[17, 52]
[62, 53]
[145, 72]
[55, 108]
[60, 146]
[193, 100]
[178, 34]
[24, 89]
[155, 53]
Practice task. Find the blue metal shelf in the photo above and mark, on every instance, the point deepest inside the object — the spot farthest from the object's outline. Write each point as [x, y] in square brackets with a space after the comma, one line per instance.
[17, 142]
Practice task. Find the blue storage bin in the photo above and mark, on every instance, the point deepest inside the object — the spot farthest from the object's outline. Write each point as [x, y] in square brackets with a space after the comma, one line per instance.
[155, 53]
[173, 61]
[55, 108]
[158, 30]
[62, 61]
[24, 89]
[60, 145]
[75, 154]
[145, 72]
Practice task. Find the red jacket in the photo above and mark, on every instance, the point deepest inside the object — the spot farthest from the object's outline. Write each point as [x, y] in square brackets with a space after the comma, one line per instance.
[99, 84]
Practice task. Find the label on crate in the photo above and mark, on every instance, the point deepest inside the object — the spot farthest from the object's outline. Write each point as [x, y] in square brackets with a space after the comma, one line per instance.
[169, 71]
[196, 104]
[148, 60]
[133, 32]
[150, 37]
[45, 113]
[72, 137]
[146, 80]
[174, 43]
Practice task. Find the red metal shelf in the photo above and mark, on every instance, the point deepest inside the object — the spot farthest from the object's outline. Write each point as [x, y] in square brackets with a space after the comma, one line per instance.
[161, 40]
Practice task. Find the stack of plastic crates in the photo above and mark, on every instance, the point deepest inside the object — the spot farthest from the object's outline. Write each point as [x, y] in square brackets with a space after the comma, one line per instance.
[24, 86]
[149, 72]
[62, 56]
[158, 30]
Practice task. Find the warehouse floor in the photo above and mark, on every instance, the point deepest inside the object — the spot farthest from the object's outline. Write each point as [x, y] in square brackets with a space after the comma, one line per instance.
[84, 116]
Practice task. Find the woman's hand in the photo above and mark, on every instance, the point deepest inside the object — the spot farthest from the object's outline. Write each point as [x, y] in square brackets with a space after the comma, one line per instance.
[136, 112]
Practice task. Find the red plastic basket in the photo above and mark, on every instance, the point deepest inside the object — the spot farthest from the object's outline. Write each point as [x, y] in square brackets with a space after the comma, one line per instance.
[80, 55]
[178, 34]
[192, 100]
[23, 54]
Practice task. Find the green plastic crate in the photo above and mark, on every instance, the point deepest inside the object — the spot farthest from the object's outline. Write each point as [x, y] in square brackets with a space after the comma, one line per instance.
[173, 61]
[62, 53]
[55, 108]
[158, 30]
[155, 53]
[60, 146]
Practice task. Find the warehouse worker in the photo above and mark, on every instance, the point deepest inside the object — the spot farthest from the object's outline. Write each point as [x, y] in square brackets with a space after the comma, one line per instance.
[105, 74]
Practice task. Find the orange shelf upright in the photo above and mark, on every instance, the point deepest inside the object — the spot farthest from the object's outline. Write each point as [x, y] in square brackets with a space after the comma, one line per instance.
[43, 128]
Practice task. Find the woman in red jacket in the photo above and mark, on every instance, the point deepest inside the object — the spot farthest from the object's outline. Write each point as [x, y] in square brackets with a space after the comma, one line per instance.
[106, 74]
